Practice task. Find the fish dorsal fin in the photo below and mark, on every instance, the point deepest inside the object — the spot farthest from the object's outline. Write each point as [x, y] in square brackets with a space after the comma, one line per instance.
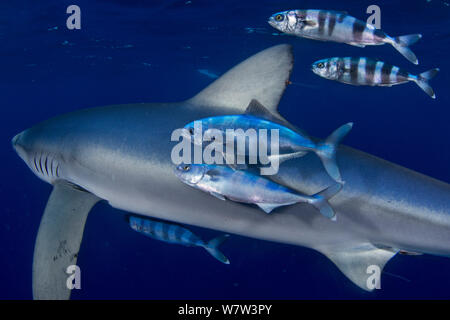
[256, 109]
[314, 24]
[362, 264]
[58, 240]
[339, 12]
[264, 76]
[213, 174]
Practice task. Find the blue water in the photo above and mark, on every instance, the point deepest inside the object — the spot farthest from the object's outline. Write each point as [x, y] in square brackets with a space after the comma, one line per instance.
[131, 51]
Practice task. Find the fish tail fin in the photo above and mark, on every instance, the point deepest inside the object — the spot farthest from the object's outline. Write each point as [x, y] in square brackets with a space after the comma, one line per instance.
[320, 201]
[402, 43]
[326, 150]
[422, 81]
[213, 248]
[408, 40]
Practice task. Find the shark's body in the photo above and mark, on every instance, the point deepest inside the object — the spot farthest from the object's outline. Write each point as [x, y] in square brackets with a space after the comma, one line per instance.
[122, 154]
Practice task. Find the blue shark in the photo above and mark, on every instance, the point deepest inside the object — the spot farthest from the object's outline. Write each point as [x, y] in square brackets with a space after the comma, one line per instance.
[121, 154]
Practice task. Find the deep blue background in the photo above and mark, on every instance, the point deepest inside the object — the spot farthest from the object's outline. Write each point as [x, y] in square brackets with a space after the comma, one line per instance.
[149, 51]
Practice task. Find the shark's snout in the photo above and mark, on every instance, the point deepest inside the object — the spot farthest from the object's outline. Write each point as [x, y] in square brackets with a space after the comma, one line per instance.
[15, 139]
[18, 145]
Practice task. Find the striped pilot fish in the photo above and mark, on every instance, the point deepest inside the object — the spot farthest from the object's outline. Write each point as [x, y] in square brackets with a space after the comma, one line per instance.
[292, 143]
[370, 72]
[339, 27]
[242, 186]
[176, 234]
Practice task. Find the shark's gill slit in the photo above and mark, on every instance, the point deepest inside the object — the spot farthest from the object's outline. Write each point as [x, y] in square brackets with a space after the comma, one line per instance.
[35, 163]
[45, 165]
[57, 170]
[51, 167]
[40, 164]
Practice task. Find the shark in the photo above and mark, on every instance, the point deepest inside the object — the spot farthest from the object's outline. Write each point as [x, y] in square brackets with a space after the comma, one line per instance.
[121, 154]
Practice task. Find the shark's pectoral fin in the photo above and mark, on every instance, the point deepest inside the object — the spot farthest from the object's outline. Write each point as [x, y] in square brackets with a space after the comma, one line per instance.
[264, 76]
[58, 240]
[361, 264]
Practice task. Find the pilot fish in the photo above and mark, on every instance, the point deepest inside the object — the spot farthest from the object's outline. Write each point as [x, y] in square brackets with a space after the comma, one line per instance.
[176, 234]
[370, 72]
[292, 143]
[243, 186]
[339, 27]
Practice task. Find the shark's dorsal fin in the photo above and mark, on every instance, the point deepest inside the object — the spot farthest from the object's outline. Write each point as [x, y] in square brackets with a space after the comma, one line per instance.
[264, 76]
[58, 240]
[359, 263]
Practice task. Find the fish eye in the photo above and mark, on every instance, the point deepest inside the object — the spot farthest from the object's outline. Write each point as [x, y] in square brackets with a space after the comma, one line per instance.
[320, 65]
[191, 131]
[186, 167]
[279, 17]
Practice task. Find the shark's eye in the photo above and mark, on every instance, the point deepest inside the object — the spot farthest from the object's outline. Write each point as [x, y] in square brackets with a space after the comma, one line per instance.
[191, 131]
[186, 168]
[320, 65]
[279, 17]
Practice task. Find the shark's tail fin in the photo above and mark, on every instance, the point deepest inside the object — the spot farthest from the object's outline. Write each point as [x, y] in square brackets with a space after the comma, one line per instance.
[320, 200]
[422, 81]
[402, 44]
[326, 151]
[213, 248]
